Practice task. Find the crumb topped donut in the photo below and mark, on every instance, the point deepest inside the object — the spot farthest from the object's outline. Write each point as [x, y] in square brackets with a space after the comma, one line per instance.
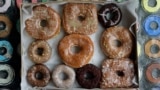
[80, 18]
[76, 50]
[44, 24]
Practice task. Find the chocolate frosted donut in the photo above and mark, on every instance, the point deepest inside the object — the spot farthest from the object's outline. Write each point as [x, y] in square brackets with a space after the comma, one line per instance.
[109, 15]
[88, 76]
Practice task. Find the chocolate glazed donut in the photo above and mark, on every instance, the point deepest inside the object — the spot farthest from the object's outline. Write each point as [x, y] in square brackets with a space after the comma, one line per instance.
[109, 15]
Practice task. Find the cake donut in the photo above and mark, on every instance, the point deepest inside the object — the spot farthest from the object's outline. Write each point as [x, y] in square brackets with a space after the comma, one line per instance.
[117, 73]
[109, 15]
[67, 81]
[5, 26]
[39, 51]
[151, 9]
[80, 18]
[116, 42]
[38, 75]
[84, 52]
[44, 24]
[7, 74]
[88, 76]
[4, 5]
[6, 51]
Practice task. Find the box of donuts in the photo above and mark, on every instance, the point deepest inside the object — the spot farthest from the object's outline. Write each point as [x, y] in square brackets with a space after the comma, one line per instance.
[79, 45]
[148, 44]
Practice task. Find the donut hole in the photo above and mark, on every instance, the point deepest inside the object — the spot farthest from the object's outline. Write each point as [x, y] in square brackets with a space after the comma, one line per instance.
[63, 76]
[152, 3]
[109, 16]
[81, 18]
[154, 25]
[88, 75]
[2, 25]
[39, 75]
[120, 73]
[75, 49]
[3, 74]
[40, 51]
[117, 43]
[2, 2]
[154, 49]
[3, 50]
[43, 23]
[156, 73]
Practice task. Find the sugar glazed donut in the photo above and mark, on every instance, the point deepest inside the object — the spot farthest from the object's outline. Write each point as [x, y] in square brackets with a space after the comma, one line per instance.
[67, 81]
[39, 51]
[80, 18]
[83, 53]
[117, 73]
[116, 42]
[38, 75]
[109, 15]
[44, 24]
[88, 76]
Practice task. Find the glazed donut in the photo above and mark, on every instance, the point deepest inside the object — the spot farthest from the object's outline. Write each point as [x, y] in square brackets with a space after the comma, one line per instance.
[88, 76]
[39, 51]
[109, 15]
[148, 46]
[7, 74]
[116, 42]
[4, 5]
[152, 31]
[117, 73]
[80, 18]
[44, 24]
[149, 71]
[77, 58]
[38, 75]
[6, 51]
[151, 9]
[5, 26]
[68, 81]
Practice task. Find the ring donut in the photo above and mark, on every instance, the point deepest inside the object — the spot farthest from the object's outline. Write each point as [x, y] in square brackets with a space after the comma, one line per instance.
[148, 46]
[109, 15]
[39, 51]
[5, 26]
[151, 9]
[79, 58]
[80, 18]
[44, 24]
[38, 75]
[4, 5]
[66, 82]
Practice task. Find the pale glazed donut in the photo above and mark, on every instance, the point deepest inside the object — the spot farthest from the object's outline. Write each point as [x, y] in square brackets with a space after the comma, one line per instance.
[5, 26]
[80, 18]
[117, 73]
[44, 24]
[80, 58]
[5, 4]
[116, 42]
[39, 51]
[68, 81]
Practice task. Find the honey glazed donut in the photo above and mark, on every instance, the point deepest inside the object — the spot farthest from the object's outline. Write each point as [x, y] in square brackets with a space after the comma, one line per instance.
[44, 24]
[77, 58]
[80, 18]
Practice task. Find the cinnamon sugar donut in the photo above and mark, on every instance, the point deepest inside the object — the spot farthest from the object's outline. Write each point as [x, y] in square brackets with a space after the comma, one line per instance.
[79, 57]
[80, 18]
[117, 73]
[44, 24]
[116, 42]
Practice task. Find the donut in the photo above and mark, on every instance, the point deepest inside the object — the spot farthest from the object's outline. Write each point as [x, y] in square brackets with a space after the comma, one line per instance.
[152, 25]
[149, 74]
[6, 51]
[44, 24]
[38, 75]
[7, 74]
[5, 26]
[117, 73]
[39, 51]
[80, 18]
[83, 50]
[88, 76]
[151, 9]
[116, 42]
[4, 5]
[148, 47]
[109, 15]
[65, 82]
